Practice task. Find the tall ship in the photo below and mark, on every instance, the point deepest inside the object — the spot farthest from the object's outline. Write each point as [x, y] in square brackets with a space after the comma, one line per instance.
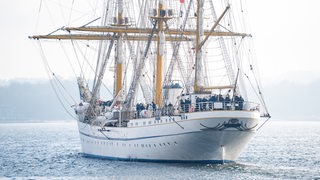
[162, 80]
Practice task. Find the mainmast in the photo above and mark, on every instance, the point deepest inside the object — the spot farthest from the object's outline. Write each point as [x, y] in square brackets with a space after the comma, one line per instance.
[160, 46]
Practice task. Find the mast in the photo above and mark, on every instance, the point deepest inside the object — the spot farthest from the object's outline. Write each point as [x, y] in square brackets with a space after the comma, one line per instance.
[200, 43]
[158, 94]
[119, 55]
[199, 33]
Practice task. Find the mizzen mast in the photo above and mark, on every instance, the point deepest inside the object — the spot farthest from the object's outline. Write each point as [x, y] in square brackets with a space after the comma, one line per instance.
[199, 34]
[160, 52]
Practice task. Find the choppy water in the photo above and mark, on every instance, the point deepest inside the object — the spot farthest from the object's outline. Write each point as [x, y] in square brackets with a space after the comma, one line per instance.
[281, 150]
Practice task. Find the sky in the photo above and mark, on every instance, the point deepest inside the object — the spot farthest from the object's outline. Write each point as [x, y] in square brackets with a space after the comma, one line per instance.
[287, 38]
[285, 34]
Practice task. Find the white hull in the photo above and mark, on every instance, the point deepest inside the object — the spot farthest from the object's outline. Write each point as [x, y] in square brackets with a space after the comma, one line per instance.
[215, 136]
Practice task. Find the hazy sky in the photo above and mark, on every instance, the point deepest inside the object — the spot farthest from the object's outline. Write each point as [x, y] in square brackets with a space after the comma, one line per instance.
[285, 32]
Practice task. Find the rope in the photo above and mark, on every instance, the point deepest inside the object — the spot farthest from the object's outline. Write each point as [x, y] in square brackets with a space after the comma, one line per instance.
[75, 52]
[92, 69]
[53, 75]
[38, 17]
[40, 6]
[49, 71]
[264, 122]
[65, 52]
[259, 95]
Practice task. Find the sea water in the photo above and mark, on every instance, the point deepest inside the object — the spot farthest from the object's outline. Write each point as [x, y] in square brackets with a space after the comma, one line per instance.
[51, 150]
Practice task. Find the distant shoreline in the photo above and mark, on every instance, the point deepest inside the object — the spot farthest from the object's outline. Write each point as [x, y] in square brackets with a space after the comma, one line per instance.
[35, 121]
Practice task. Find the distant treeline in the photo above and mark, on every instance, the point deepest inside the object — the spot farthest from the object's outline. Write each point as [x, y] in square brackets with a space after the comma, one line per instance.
[34, 101]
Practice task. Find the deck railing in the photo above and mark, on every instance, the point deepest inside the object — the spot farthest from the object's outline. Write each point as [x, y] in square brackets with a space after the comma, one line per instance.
[220, 105]
[187, 108]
